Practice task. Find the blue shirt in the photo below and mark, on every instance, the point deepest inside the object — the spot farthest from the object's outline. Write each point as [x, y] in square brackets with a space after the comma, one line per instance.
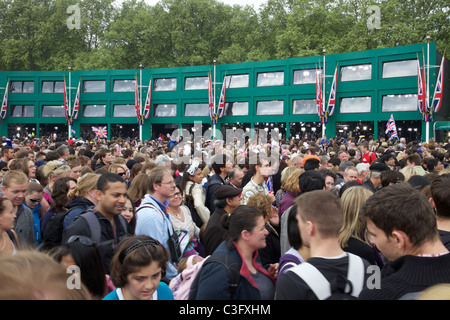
[36, 222]
[163, 293]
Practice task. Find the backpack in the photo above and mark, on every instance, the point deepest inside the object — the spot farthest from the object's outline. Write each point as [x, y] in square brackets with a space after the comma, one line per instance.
[95, 228]
[52, 236]
[324, 290]
[181, 284]
[189, 202]
[232, 268]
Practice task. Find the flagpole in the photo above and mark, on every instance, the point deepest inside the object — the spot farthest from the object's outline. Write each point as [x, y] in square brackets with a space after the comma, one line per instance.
[323, 90]
[69, 112]
[214, 100]
[427, 123]
[140, 102]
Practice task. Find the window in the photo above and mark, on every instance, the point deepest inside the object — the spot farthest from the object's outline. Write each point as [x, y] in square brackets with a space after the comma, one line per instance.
[22, 87]
[19, 111]
[399, 102]
[357, 72]
[165, 84]
[124, 85]
[237, 81]
[236, 109]
[94, 110]
[268, 79]
[269, 107]
[305, 76]
[52, 86]
[404, 68]
[124, 110]
[165, 110]
[53, 111]
[94, 86]
[196, 83]
[306, 106]
[196, 110]
[355, 104]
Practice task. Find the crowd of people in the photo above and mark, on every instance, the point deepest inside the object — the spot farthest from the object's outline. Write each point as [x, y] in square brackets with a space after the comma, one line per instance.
[293, 219]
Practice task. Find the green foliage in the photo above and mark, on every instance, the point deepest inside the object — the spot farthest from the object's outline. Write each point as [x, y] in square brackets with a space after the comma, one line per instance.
[35, 33]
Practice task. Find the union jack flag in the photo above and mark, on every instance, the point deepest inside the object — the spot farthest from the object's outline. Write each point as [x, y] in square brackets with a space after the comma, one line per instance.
[332, 98]
[437, 98]
[212, 113]
[66, 108]
[76, 104]
[421, 90]
[101, 132]
[148, 100]
[391, 127]
[319, 94]
[136, 103]
[222, 99]
[5, 102]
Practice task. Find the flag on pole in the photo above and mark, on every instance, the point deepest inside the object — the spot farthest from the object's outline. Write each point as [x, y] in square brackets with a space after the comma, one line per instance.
[66, 108]
[421, 90]
[332, 98]
[76, 104]
[136, 103]
[148, 101]
[437, 97]
[391, 127]
[221, 109]
[4, 110]
[212, 113]
[319, 94]
[101, 132]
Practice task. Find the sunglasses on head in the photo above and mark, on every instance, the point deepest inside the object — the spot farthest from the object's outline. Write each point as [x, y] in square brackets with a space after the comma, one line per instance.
[82, 239]
[34, 200]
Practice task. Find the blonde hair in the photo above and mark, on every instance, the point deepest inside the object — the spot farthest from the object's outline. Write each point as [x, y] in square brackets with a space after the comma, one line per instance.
[351, 202]
[113, 168]
[33, 275]
[285, 174]
[55, 168]
[15, 176]
[85, 184]
[291, 183]
[440, 291]
[73, 161]
[408, 172]
[262, 202]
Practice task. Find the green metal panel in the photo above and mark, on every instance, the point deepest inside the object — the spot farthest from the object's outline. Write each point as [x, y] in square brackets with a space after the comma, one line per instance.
[376, 88]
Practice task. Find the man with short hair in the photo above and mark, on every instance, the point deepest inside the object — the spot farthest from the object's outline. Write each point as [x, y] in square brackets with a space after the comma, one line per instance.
[402, 225]
[153, 217]
[105, 159]
[320, 219]
[14, 188]
[261, 169]
[343, 155]
[63, 152]
[222, 165]
[440, 200]
[350, 174]
[374, 181]
[363, 171]
[226, 199]
[366, 155]
[8, 154]
[111, 196]
[235, 177]
[342, 167]
[415, 161]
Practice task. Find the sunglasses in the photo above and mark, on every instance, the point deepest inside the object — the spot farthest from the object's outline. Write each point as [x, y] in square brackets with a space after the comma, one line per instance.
[5, 170]
[34, 200]
[122, 174]
[82, 239]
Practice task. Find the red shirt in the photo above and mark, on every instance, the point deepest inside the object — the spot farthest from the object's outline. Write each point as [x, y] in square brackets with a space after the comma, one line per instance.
[368, 157]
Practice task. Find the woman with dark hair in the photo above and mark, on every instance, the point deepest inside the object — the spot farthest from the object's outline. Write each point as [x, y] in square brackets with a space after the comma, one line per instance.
[247, 234]
[82, 252]
[194, 195]
[138, 265]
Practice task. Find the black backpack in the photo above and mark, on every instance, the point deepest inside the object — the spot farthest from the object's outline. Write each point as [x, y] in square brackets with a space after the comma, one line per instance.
[52, 236]
[232, 268]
